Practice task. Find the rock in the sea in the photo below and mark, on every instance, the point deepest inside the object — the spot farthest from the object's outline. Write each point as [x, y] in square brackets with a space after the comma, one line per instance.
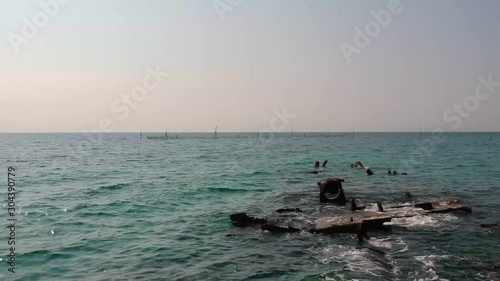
[243, 220]
[278, 229]
[289, 210]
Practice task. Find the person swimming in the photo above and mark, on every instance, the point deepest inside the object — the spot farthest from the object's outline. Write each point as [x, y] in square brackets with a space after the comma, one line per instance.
[358, 164]
[316, 167]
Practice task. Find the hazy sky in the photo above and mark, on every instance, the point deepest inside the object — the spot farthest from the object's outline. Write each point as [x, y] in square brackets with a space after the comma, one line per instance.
[231, 73]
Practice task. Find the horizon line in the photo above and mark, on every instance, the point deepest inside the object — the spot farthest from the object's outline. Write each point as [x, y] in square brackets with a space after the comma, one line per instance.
[240, 132]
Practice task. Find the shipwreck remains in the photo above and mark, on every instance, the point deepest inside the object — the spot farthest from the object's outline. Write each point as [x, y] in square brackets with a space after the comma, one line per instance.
[360, 219]
[367, 220]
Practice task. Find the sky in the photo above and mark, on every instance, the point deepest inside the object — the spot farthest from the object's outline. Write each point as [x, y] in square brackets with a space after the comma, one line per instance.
[192, 65]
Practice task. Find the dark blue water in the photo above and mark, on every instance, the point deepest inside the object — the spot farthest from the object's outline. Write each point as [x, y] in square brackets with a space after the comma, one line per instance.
[119, 208]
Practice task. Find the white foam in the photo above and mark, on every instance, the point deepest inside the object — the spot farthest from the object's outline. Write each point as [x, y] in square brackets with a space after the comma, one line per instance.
[429, 267]
[401, 244]
[360, 260]
[381, 243]
[416, 221]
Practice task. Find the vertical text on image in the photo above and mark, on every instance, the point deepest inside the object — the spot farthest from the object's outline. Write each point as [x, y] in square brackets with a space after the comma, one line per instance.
[11, 219]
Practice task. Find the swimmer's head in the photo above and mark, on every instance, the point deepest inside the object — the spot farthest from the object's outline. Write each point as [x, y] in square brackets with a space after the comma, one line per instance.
[316, 164]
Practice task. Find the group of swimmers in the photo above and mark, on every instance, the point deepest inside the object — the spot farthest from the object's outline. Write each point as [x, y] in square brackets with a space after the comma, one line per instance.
[357, 165]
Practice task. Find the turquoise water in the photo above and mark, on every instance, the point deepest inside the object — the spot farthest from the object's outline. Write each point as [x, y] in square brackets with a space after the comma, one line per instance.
[121, 208]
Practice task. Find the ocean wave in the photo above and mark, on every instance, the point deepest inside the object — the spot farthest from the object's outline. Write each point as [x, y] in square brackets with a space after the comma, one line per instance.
[46, 254]
[113, 186]
[227, 190]
[97, 214]
[108, 187]
[429, 267]
[360, 261]
[259, 173]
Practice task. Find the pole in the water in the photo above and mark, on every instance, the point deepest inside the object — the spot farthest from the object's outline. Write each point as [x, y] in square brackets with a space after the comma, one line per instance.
[215, 134]
[141, 135]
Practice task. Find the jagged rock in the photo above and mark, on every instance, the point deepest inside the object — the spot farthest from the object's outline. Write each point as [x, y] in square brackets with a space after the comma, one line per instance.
[354, 207]
[379, 206]
[243, 220]
[489, 225]
[464, 209]
[352, 226]
[425, 206]
[278, 229]
[286, 210]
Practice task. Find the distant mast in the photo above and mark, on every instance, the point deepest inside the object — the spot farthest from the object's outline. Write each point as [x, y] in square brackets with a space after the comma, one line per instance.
[215, 133]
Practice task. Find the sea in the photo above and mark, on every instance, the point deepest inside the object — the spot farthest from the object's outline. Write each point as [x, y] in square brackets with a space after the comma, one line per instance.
[118, 207]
